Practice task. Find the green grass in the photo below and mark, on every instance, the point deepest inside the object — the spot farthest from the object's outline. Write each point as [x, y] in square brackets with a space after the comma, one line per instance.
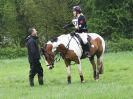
[115, 83]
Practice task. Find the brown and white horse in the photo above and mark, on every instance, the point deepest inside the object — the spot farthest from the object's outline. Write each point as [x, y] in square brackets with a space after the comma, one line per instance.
[71, 50]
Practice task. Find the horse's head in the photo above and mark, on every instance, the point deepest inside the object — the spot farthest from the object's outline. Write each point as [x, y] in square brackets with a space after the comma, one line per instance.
[49, 55]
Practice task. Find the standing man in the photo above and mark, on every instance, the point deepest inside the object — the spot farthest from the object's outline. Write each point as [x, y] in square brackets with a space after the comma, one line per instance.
[34, 57]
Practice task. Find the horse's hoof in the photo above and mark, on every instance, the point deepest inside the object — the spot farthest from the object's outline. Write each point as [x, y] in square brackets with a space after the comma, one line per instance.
[83, 81]
[101, 72]
[96, 78]
[69, 83]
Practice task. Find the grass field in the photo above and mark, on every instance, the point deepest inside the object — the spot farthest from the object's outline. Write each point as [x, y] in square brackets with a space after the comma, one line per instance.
[115, 83]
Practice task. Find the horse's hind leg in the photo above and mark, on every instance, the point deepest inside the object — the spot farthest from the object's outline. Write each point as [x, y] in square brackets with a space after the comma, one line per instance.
[94, 67]
[100, 64]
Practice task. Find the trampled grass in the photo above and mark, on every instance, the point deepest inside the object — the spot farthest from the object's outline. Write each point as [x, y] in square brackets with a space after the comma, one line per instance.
[115, 83]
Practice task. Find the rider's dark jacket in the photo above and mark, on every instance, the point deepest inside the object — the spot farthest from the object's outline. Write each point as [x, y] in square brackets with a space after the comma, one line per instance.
[33, 49]
[79, 23]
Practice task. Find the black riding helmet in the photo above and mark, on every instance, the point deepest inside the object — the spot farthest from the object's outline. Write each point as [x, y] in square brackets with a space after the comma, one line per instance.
[77, 9]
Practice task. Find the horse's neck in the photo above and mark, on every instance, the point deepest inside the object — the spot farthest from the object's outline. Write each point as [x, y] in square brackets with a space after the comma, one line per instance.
[63, 39]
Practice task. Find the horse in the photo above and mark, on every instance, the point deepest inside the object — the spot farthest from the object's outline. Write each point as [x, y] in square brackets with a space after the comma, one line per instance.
[70, 49]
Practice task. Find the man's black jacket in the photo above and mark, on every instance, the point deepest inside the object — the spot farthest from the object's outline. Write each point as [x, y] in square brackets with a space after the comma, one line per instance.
[33, 49]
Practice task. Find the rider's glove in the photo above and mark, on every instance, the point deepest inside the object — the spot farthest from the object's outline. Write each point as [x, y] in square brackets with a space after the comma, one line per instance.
[72, 33]
[65, 27]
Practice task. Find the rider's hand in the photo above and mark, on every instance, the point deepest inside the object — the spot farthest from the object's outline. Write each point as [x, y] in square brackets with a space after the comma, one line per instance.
[72, 33]
[65, 27]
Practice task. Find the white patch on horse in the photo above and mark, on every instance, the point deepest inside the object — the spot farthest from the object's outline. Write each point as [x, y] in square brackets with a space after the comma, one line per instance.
[49, 42]
[69, 70]
[79, 68]
[46, 62]
[93, 35]
[73, 45]
[92, 45]
[83, 37]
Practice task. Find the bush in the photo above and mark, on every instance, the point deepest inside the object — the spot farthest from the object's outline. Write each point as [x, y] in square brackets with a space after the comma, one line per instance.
[111, 46]
[120, 45]
[12, 52]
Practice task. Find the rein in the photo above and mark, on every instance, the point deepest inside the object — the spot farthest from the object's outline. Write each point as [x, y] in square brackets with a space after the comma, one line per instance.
[57, 59]
[70, 41]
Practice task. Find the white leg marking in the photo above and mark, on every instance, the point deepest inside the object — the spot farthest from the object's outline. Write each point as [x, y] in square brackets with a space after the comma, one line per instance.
[80, 69]
[46, 62]
[69, 70]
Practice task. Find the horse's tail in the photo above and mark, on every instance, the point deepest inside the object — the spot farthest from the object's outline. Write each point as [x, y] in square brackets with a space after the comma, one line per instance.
[100, 59]
[103, 45]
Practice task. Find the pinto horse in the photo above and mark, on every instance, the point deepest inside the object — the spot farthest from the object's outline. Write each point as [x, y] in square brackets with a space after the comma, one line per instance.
[70, 49]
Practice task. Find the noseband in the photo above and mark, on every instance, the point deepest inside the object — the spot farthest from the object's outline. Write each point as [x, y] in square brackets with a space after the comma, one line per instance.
[52, 63]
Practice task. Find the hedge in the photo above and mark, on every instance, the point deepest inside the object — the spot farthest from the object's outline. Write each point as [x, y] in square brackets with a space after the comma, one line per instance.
[111, 46]
[12, 52]
[120, 45]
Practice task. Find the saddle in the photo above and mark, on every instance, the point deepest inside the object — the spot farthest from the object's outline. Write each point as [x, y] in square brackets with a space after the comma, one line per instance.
[85, 47]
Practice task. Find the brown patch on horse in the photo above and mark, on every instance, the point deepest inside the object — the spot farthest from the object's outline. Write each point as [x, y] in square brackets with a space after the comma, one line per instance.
[48, 47]
[68, 54]
[97, 49]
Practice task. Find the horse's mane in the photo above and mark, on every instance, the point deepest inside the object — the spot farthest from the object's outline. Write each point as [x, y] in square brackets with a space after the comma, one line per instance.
[54, 39]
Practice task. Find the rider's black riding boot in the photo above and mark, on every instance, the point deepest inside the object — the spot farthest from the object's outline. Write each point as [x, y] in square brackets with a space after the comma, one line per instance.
[89, 46]
[31, 81]
[87, 52]
[40, 80]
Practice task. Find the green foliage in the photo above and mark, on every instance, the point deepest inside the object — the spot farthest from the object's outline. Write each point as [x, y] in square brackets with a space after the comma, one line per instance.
[113, 19]
[120, 45]
[12, 52]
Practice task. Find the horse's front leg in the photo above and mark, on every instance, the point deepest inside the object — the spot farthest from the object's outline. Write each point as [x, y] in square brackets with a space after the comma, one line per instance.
[69, 74]
[68, 67]
[80, 72]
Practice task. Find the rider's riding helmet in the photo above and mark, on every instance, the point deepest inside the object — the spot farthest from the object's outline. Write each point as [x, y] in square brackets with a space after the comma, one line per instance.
[77, 9]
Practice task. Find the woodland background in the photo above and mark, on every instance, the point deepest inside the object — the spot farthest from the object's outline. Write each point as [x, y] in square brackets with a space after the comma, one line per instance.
[112, 19]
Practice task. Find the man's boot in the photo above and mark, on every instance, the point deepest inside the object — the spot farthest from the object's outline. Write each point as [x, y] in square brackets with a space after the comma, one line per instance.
[40, 80]
[31, 81]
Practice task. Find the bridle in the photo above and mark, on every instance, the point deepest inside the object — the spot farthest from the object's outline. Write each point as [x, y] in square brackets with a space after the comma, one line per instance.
[51, 58]
[56, 59]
